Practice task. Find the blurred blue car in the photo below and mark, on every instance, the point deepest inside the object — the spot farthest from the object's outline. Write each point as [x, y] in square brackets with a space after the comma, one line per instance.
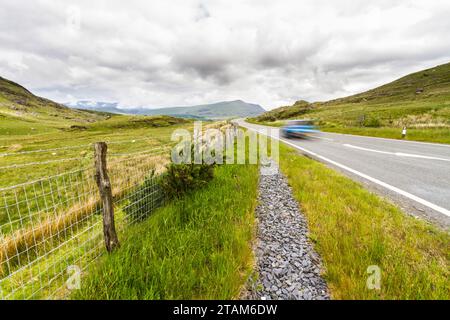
[299, 129]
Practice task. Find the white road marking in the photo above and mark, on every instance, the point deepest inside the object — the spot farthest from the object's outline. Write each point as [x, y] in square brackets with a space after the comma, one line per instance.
[322, 138]
[398, 154]
[365, 176]
[366, 149]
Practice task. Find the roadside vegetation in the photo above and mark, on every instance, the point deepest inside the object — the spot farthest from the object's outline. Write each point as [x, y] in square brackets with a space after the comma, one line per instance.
[438, 135]
[419, 101]
[196, 247]
[353, 229]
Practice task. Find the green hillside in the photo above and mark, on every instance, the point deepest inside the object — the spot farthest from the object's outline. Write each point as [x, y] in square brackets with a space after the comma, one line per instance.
[220, 110]
[420, 101]
[21, 112]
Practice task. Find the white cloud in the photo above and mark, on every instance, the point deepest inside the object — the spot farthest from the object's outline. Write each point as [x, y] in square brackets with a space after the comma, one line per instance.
[161, 53]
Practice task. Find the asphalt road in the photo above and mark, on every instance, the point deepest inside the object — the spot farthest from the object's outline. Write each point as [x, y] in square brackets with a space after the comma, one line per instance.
[415, 175]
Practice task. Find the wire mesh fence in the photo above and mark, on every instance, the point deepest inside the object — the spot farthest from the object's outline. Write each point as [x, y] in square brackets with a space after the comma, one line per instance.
[21, 163]
[52, 225]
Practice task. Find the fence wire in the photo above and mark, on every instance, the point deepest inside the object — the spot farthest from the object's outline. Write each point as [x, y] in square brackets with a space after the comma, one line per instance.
[52, 226]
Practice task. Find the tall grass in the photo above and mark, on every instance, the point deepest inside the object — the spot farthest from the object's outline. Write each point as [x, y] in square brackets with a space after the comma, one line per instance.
[197, 247]
[353, 229]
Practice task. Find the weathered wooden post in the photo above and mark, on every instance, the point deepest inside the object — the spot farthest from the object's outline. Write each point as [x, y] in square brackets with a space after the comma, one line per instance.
[104, 186]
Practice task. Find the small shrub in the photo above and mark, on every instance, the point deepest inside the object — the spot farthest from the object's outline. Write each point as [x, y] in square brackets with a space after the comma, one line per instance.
[270, 118]
[178, 180]
[183, 178]
[372, 122]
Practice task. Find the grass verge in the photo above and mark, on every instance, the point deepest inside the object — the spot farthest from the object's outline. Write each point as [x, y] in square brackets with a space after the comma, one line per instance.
[193, 248]
[435, 135]
[353, 229]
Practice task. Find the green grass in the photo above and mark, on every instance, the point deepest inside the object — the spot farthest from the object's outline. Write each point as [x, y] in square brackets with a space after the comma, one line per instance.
[353, 229]
[11, 126]
[194, 248]
[277, 123]
[439, 135]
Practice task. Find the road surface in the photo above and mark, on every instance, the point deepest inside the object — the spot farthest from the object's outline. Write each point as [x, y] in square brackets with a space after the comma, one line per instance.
[414, 175]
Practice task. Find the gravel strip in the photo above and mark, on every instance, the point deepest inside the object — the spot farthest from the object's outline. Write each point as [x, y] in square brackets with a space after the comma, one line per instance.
[287, 267]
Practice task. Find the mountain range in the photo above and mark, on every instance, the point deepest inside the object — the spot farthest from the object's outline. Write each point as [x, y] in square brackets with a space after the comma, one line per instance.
[219, 110]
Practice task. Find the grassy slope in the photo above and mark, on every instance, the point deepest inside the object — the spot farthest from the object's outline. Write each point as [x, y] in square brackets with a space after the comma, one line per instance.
[353, 229]
[384, 110]
[22, 113]
[194, 248]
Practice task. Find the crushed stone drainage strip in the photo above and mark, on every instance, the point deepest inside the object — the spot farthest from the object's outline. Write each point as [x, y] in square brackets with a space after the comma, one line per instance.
[287, 267]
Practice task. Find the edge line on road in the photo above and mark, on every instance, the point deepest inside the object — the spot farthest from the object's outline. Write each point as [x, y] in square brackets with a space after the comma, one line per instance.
[436, 144]
[398, 154]
[365, 176]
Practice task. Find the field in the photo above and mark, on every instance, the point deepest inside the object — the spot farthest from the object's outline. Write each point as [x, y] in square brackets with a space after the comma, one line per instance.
[353, 229]
[26, 157]
[50, 211]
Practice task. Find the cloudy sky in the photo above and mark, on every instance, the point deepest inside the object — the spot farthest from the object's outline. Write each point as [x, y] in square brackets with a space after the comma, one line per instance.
[181, 52]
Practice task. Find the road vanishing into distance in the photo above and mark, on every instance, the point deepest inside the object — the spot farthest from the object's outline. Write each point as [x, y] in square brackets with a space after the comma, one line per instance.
[414, 175]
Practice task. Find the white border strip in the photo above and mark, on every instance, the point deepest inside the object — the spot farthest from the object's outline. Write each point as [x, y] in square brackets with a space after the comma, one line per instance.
[365, 176]
[398, 154]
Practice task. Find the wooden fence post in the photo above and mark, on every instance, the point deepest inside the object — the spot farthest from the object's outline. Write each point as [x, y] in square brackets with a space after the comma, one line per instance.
[104, 186]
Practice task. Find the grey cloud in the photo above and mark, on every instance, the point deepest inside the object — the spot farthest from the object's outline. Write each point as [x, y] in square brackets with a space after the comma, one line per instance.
[159, 53]
[202, 12]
